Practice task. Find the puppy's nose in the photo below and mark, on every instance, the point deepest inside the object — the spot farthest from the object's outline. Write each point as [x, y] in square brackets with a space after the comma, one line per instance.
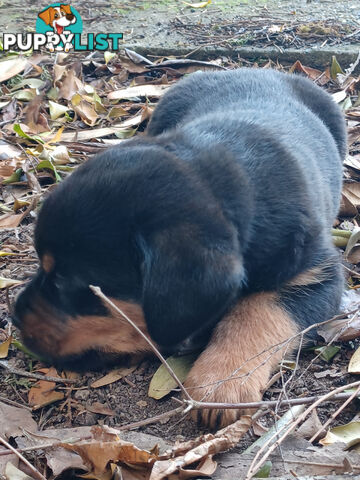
[69, 16]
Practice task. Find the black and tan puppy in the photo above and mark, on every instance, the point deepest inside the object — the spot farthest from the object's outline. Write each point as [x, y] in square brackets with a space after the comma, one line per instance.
[212, 228]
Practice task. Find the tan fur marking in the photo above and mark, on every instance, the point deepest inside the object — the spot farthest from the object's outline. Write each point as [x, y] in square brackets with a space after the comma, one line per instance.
[255, 324]
[55, 337]
[48, 262]
[317, 274]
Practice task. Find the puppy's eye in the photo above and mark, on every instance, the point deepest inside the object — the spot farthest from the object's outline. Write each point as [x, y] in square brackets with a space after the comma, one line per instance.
[63, 14]
[56, 15]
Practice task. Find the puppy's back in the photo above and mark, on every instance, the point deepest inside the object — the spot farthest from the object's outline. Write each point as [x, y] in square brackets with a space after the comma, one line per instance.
[263, 90]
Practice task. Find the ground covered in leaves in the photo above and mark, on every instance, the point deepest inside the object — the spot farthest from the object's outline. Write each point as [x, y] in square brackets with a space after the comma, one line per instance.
[56, 111]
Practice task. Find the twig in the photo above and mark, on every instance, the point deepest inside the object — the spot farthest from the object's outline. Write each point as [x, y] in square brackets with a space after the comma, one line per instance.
[148, 421]
[263, 403]
[97, 291]
[36, 474]
[254, 467]
[335, 414]
[36, 376]
[16, 404]
[45, 446]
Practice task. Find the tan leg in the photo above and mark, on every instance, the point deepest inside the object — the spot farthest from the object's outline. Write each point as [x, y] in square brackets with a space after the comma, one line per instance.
[254, 325]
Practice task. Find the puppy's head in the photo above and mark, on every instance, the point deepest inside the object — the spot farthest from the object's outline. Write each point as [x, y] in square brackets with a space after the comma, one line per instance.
[58, 17]
[140, 225]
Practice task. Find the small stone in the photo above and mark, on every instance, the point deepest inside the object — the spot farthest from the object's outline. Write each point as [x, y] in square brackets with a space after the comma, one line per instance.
[82, 394]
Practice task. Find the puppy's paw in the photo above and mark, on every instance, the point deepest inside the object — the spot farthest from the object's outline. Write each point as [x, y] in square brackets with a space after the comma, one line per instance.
[207, 382]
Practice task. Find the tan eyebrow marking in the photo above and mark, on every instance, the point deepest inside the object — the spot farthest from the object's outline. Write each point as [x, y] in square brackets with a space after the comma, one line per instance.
[48, 262]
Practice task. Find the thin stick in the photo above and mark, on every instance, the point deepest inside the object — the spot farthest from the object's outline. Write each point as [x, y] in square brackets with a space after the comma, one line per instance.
[99, 293]
[34, 471]
[264, 403]
[16, 404]
[45, 446]
[36, 376]
[335, 414]
[254, 467]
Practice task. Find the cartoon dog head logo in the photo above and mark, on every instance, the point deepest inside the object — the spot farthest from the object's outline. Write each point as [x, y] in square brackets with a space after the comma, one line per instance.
[59, 22]
[58, 17]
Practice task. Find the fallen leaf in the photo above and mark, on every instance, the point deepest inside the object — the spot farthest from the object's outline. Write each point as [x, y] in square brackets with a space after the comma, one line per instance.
[327, 352]
[335, 68]
[221, 441]
[69, 85]
[198, 4]
[353, 240]
[112, 377]
[9, 282]
[100, 408]
[4, 346]
[43, 392]
[163, 383]
[339, 96]
[311, 426]
[139, 91]
[14, 420]
[13, 473]
[56, 110]
[12, 67]
[347, 208]
[348, 434]
[354, 364]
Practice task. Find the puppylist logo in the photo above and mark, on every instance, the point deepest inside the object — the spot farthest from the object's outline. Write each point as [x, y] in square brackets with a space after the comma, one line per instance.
[59, 28]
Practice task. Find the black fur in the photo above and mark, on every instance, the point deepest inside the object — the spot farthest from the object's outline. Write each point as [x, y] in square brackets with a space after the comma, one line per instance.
[233, 190]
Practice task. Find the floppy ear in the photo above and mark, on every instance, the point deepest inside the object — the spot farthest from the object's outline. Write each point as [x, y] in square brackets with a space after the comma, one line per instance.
[66, 8]
[189, 279]
[46, 15]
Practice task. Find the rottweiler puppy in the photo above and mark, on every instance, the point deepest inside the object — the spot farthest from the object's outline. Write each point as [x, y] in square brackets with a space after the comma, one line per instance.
[211, 231]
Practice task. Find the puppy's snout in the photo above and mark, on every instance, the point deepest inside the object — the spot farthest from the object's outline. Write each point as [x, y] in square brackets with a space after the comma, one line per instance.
[70, 17]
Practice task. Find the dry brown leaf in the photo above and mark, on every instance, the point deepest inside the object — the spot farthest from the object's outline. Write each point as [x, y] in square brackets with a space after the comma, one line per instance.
[221, 441]
[113, 376]
[86, 112]
[35, 120]
[69, 85]
[100, 408]
[81, 135]
[350, 330]
[9, 282]
[347, 208]
[14, 420]
[312, 73]
[353, 134]
[139, 91]
[12, 67]
[5, 342]
[97, 454]
[352, 192]
[11, 220]
[43, 392]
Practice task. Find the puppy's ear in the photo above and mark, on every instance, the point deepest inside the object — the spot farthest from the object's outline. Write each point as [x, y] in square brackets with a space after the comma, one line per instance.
[46, 15]
[189, 279]
[66, 8]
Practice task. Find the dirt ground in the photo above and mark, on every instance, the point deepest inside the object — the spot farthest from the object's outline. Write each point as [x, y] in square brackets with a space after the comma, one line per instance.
[126, 401]
[162, 23]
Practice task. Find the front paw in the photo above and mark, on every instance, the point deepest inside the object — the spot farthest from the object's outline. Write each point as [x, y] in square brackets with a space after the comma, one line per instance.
[207, 382]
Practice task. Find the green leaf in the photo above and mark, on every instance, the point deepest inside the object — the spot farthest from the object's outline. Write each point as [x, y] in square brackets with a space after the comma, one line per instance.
[264, 471]
[348, 434]
[327, 352]
[17, 129]
[335, 68]
[47, 165]
[162, 382]
[14, 177]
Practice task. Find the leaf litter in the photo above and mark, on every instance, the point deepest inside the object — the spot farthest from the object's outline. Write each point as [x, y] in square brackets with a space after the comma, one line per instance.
[50, 127]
